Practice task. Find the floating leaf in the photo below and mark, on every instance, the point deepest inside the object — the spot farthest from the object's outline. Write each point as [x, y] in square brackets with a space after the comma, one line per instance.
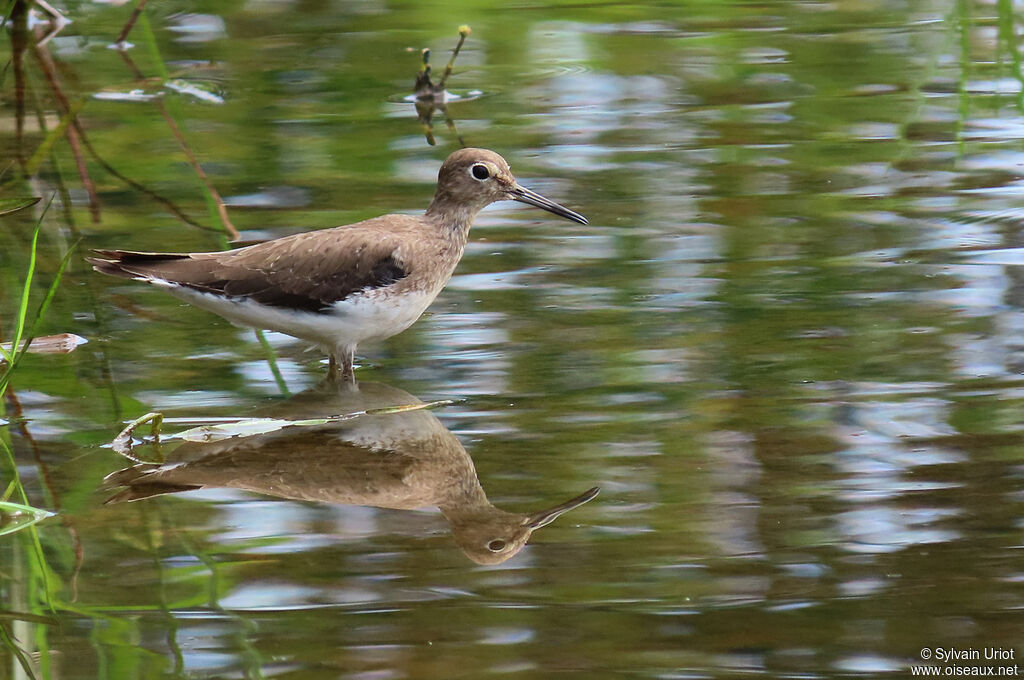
[15, 516]
[219, 429]
[13, 205]
[249, 427]
[242, 428]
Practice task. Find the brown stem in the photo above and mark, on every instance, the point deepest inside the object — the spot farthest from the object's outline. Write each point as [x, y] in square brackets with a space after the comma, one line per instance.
[450, 122]
[221, 208]
[140, 187]
[131, 22]
[463, 32]
[74, 131]
[19, 39]
[44, 476]
[130, 63]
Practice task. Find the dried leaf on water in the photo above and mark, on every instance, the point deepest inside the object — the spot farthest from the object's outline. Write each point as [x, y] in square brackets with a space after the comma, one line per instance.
[249, 427]
[62, 343]
[244, 427]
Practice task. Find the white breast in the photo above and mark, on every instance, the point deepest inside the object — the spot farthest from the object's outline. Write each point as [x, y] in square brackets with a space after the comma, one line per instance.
[369, 315]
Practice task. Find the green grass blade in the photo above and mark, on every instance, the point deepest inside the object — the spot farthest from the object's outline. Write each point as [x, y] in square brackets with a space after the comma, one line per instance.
[19, 348]
[146, 36]
[12, 645]
[50, 293]
[32, 534]
[16, 516]
[275, 370]
[19, 325]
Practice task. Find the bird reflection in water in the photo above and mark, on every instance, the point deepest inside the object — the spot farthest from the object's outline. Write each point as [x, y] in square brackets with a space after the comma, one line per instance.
[402, 460]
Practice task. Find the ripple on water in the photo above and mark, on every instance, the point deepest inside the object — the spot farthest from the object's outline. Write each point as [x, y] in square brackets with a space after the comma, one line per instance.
[883, 529]
[868, 663]
[446, 97]
[197, 27]
[189, 400]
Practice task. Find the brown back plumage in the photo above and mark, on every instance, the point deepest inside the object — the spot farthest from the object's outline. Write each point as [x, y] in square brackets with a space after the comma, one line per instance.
[305, 271]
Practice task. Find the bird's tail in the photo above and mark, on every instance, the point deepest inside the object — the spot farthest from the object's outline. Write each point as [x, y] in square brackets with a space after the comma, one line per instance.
[141, 481]
[129, 264]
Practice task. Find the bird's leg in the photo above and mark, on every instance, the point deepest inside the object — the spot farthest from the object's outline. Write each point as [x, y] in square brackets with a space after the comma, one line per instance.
[345, 356]
[332, 367]
[348, 360]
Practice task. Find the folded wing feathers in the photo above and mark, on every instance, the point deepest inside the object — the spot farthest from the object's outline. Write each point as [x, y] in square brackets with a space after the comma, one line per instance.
[296, 272]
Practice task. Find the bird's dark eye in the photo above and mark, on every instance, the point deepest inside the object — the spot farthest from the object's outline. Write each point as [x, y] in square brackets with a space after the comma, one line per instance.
[480, 171]
[497, 545]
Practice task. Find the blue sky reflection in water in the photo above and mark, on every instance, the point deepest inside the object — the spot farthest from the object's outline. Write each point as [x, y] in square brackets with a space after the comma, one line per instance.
[787, 347]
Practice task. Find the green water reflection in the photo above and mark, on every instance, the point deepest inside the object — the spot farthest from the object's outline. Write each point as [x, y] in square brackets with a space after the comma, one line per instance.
[788, 347]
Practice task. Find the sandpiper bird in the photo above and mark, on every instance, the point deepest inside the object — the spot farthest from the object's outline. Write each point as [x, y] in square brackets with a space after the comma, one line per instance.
[343, 286]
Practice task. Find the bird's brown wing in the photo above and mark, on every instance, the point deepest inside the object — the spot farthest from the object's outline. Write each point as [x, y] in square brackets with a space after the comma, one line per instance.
[305, 271]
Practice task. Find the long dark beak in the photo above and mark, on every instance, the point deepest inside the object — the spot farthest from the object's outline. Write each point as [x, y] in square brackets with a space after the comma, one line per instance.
[545, 517]
[524, 195]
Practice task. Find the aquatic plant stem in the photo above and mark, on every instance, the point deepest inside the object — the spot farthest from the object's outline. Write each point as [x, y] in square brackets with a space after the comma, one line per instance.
[464, 31]
[12, 644]
[272, 361]
[166, 202]
[139, 6]
[122, 443]
[222, 210]
[212, 193]
[19, 41]
[52, 496]
[73, 131]
[63, 128]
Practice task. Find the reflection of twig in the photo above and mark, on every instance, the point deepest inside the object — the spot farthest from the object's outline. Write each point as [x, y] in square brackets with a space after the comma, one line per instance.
[57, 21]
[122, 443]
[131, 65]
[139, 187]
[431, 97]
[131, 22]
[425, 113]
[19, 31]
[221, 208]
[132, 183]
[73, 132]
[44, 475]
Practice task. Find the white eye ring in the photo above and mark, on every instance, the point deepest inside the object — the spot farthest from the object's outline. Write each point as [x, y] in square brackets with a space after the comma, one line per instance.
[497, 545]
[480, 172]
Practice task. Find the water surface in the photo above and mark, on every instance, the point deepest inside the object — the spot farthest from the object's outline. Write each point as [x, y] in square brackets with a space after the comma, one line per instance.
[788, 347]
